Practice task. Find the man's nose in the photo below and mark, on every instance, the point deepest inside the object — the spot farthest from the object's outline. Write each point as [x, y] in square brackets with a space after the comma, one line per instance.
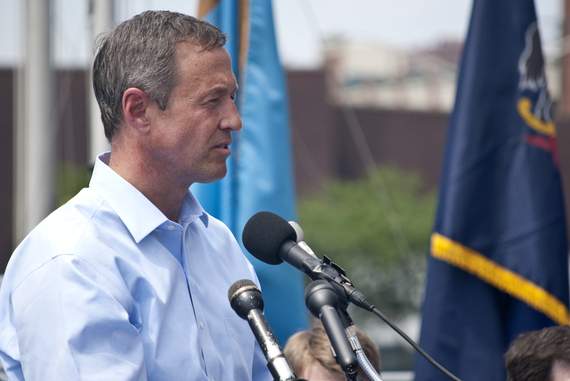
[231, 119]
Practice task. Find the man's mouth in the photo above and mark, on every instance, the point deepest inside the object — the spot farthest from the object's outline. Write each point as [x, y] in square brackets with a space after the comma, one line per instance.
[225, 147]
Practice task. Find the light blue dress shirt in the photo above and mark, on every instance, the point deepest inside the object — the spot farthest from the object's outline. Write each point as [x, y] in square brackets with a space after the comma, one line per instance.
[107, 288]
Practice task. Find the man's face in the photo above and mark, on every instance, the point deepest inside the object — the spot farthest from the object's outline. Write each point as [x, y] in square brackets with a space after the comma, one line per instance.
[560, 371]
[190, 140]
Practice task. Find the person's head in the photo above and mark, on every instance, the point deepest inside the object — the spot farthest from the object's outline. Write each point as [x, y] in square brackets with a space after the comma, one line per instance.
[166, 89]
[140, 53]
[309, 353]
[542, 355]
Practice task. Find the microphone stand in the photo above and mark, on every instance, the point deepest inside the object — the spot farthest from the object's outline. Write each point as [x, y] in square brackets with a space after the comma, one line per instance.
[365, 364]
[348, 324]
[325, 303]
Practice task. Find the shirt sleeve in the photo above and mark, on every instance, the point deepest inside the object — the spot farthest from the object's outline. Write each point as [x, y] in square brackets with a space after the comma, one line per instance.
[74, 323]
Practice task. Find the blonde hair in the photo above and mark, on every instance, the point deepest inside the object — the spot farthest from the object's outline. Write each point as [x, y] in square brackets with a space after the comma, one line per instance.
[314, 345]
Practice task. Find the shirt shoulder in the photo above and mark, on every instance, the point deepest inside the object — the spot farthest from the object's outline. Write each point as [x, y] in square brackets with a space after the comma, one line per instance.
[63, 232]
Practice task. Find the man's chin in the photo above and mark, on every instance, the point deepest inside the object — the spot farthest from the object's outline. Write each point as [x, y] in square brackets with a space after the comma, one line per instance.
[213, 177]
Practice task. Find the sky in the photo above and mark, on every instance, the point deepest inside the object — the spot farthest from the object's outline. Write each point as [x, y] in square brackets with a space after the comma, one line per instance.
[301, 25]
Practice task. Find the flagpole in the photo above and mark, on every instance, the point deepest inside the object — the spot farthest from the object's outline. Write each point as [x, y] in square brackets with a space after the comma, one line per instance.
[564, 109]
[102, 18]
[35, 149]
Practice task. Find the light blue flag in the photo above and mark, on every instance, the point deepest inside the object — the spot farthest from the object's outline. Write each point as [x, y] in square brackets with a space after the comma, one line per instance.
[260, 175]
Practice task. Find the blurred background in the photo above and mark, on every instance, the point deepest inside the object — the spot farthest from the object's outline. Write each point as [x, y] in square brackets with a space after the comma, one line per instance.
[371, 85]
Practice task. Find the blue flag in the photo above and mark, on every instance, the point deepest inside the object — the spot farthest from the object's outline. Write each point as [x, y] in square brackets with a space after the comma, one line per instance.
[498, 261]
[260, 174]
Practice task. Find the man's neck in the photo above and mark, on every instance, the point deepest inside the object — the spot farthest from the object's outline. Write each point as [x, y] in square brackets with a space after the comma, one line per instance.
[167, 197]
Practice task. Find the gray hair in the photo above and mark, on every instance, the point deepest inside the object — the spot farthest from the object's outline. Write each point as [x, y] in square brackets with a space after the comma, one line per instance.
[140, 53]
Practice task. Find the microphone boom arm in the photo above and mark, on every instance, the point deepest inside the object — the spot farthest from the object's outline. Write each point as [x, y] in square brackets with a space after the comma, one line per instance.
[326, 270]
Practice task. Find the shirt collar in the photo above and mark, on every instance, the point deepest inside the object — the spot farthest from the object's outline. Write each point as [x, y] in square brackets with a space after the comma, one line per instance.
[191, 209]
[139, 215]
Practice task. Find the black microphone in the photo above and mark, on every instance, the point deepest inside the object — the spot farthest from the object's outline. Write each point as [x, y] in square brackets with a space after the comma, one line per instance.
[246, 300]
[271, 239]
[322, 300]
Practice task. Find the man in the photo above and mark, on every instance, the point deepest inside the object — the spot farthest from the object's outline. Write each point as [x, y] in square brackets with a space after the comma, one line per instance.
[129, 280]
[542, 355]
[309, 353]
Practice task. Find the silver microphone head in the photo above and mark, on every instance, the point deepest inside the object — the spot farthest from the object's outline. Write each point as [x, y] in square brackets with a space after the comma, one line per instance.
[301, 238]
[298, 231]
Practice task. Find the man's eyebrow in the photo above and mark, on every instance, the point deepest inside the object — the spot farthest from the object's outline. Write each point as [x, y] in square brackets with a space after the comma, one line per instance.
[221, 89]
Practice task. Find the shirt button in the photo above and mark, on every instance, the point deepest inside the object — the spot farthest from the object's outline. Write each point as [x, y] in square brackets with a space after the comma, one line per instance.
[171, 227]
[201, 325]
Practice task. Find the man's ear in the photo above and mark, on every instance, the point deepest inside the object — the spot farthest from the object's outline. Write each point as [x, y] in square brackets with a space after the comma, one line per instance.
[135, 109]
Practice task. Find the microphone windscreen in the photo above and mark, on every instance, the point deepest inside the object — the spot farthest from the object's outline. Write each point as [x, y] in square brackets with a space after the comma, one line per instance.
[264, 234]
